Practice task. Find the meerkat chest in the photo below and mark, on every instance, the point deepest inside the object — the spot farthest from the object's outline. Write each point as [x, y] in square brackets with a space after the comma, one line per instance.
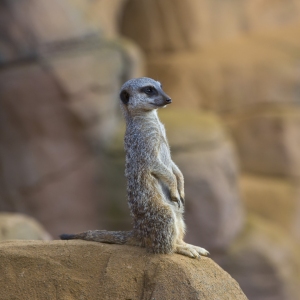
[164, 151]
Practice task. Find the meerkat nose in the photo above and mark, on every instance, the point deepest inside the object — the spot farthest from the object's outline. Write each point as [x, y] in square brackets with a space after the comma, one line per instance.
[168, 100]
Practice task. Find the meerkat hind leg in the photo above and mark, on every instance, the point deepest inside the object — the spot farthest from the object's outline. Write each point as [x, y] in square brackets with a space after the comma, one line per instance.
[200, 250]
[187, 251]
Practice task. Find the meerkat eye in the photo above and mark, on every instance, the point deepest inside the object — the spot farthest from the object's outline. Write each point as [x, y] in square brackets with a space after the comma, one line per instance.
[149, 90]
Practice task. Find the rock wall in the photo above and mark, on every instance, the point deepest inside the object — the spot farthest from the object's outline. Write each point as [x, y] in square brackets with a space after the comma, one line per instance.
[20, 227]
[239, 60]
[101, 15]
[174, 25]
[59, 82]
[88, 270]
[266, 252]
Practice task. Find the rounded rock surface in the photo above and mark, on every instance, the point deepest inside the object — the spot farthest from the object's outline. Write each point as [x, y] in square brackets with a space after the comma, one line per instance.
[89, 270]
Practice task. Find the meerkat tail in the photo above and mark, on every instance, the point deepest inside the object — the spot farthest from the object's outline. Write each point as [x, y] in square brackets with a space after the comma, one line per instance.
[102, 236]
[66, 236]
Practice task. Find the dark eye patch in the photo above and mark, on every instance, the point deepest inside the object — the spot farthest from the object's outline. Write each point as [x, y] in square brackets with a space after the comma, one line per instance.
[149, 90]
[125, 97]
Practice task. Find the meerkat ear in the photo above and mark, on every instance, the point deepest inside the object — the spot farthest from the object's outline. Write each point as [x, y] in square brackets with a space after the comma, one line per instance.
[125, 97]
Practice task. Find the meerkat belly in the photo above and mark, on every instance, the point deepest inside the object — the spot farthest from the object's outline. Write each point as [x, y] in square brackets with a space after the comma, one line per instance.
[165, 158]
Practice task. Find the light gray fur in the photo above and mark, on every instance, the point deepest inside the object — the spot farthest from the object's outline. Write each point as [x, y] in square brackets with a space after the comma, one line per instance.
[155, 185]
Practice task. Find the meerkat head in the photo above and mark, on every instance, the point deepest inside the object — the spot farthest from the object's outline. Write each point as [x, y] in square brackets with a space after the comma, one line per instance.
[142, 95]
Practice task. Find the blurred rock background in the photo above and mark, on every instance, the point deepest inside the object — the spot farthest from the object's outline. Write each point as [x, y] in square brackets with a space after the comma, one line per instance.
[233, 71]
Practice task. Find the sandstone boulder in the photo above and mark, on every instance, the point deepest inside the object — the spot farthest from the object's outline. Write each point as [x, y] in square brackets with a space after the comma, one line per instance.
[174, 25]
[88, 270]
[272, 198]
[244, 74]
[265, 261]
[26, 25]
[58, 107]
[21, 227]
[268, 141]
[47, 169]
[102, 15]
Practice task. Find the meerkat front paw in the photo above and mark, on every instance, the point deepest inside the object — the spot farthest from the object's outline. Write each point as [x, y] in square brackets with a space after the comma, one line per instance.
[190, 250]
[182, 196]
[181, 193]
[175, 197]
[177, 200]
[182, 199]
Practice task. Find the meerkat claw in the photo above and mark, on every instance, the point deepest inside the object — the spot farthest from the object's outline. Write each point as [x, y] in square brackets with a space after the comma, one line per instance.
[182, 200]
[177, 200]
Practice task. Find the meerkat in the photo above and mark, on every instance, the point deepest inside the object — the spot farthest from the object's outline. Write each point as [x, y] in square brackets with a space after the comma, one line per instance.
[155, 185]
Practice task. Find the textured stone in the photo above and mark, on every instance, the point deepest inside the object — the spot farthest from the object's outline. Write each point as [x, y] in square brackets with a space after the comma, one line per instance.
[17, 226]
[272, 198]
[59, 103]
[268, 141]
[47, 168]
[87, 270]
[175, 25]
[78, 69]
[89, 77]
[265, 261]
[240, 75]
[101, 14]
[26, 25]
[48, 21]
[30, 138]
[270, 14]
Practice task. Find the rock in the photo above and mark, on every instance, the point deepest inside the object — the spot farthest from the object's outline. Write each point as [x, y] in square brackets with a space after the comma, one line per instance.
[49, 22]
[101, 14]
[175, 25]
[89, 76]
[27, 25]
[243, 74]
[268, 141]
[88, 270]
[17, 226]
[273, 199]
[79, 69]
[134, 60]
[265, 261]
[47, 169]
[59, 106]
[171, 25]
[270, 15]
